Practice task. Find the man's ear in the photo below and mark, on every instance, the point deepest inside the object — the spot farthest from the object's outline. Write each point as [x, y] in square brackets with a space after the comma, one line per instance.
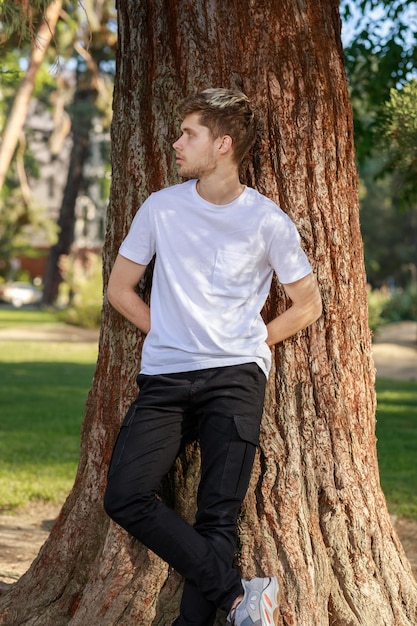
[226, 144]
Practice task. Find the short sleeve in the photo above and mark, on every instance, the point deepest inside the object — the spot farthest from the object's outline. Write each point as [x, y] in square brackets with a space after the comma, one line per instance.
[139, 244]
[286, 255]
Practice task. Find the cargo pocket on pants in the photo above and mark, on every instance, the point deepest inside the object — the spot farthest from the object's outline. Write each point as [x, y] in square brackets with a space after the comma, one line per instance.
[240, 457]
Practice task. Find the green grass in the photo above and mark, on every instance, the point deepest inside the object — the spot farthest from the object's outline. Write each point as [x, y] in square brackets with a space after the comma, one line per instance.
[10, 318]
[397, 444]
[44, 387]
[43, 391]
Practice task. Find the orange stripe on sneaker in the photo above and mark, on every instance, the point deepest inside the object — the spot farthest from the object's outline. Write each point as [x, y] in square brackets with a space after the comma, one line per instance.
[268, 601]
[267, 617]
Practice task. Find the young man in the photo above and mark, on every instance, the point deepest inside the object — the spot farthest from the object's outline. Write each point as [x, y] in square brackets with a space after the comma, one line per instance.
[206, 355]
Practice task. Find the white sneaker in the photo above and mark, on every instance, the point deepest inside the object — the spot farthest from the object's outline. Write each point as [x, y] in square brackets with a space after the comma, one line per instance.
[259, 606]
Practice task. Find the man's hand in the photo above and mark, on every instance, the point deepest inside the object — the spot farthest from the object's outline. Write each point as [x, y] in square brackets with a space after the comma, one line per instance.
[122, 296]
[306, 308]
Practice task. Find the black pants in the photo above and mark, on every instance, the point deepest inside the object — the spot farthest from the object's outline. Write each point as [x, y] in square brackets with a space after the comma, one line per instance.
[224, 407]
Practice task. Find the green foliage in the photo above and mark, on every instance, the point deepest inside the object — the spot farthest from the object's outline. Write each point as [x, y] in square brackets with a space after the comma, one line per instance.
[402, 305]
[21, 18]
[83, 283]
[377, 300]
[380, 59]
[400, 140]
[10, 75]
[78, 95]
[21, 220]
[385, 307]
[19, 21]
[45, 86]
[397, 444]
[389, 235]
[381, 55]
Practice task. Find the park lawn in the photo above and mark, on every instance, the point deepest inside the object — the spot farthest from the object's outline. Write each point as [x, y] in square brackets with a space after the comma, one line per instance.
[12, 318]
[397, 444]
[44, 386]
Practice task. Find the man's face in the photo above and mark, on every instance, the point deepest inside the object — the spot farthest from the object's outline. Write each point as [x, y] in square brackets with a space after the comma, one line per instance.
[196, 151]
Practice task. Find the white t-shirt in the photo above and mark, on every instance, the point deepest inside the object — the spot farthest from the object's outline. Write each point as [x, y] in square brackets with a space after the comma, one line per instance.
[213, 272]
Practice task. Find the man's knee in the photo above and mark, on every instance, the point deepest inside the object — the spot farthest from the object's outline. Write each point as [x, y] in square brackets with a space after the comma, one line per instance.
[113, 502]
[124, 506]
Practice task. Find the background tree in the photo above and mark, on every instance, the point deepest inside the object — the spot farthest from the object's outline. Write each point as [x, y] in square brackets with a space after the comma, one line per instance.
[21, 216]
[400, 135]
[92, 47]
[389, 233]
[22, 25]
[315, 511]
[17, 115]
[381, 56]
[80, 49]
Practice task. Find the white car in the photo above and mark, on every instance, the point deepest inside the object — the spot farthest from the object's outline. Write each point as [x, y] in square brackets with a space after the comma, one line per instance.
[19, 294]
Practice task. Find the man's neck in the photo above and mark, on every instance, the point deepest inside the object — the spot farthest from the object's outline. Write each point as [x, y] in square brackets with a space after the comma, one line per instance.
[220, 190]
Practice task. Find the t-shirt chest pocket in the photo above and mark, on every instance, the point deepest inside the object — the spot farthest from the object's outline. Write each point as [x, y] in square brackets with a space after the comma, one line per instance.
[234, 274]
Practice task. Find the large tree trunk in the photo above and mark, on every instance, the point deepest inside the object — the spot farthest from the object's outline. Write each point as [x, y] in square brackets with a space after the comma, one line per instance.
[315, 512]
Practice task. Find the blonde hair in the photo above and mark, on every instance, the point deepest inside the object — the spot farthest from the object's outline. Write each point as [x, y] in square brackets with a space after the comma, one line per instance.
[224, 112]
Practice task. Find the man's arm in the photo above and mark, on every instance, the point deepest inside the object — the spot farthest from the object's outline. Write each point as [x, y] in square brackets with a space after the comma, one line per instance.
[306, 308]
[121, 293]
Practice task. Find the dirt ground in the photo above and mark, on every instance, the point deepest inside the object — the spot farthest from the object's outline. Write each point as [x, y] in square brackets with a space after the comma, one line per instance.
[23, 532]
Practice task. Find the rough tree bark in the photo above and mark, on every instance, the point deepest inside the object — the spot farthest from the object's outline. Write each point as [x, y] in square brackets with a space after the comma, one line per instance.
[315, 511]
